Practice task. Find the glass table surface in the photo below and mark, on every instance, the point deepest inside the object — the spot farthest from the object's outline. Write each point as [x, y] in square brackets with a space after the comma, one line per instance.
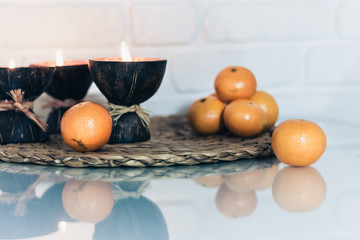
[245, 199]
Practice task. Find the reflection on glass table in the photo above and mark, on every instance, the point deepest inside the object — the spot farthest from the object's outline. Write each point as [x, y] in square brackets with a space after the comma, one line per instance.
[117, 209]
[42, 202]
[133, 217]
[299, 189]
[30, 201]
[33, 206]
[294, 189]
[236, 195]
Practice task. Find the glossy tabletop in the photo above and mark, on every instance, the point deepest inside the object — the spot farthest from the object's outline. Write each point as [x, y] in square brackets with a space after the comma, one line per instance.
[250, 199]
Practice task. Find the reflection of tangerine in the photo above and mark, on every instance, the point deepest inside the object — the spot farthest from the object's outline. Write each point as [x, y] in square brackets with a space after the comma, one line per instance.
[298, 189]
[298, 142]
[88, 201]
[235, 204]
[244, 118]
[211, 181]
[269, 177]
[205, 115]
[269, 105]
[235, 83]
[245, 181]
[86, 126]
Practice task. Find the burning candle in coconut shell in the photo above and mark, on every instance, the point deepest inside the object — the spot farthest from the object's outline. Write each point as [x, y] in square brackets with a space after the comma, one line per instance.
[70, 85]
[19, 87]
[126, 82]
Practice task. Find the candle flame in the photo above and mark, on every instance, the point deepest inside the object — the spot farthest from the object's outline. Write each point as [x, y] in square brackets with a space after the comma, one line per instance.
[12, 64]
[59, 58]
[125, 54]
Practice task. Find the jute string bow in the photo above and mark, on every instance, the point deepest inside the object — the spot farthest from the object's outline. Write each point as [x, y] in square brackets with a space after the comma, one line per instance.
[18, 104]
[120, 193]
[116, 111]
[21, 198]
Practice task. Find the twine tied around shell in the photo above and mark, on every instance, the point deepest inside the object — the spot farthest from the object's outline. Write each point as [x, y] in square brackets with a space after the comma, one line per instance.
[116, 111]
[56, 103]
[120, 193]
[18, 104]
[21, 198]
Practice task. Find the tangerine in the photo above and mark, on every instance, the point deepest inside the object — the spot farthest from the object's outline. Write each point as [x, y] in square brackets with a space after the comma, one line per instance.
[234, 83]
[298, 142]
[86, 126]
[244, 118]
[205, 115]
[269, 105]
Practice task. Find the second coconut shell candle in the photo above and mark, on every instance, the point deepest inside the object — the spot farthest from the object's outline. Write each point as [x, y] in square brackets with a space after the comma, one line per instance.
[70, 85]
[127, 82]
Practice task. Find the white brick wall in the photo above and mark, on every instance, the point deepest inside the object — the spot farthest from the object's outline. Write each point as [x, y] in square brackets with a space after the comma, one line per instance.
[305, 52]
[349, 19]
[270, 21]
[61, 26]
[172, 23]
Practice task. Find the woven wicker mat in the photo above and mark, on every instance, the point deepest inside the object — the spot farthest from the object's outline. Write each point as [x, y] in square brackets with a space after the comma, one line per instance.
[172, 143]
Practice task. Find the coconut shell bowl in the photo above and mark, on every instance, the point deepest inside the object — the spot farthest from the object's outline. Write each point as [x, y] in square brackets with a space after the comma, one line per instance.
[126, 84]
[70, 85]
[19, 87]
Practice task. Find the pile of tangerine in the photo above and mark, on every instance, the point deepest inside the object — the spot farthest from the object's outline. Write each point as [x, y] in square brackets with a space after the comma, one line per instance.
[247, 112]
[235, 104]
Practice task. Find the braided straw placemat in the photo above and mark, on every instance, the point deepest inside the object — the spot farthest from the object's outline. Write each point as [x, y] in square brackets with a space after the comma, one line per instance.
[172, 143]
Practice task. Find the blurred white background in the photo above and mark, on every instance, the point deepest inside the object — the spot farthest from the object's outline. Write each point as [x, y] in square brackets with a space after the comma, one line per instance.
[304, 52]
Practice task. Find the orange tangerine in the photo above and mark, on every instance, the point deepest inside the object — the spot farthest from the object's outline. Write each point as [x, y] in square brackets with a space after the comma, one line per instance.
[205, 115]
[298, 142]
[244, 118]
[86, 126]
[269, 105]
[235, 83]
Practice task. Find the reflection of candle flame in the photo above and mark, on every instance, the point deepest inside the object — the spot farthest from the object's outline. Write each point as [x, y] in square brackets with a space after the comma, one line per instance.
[62, 226]
[125, 54]
[59, 58]
[12, 64]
